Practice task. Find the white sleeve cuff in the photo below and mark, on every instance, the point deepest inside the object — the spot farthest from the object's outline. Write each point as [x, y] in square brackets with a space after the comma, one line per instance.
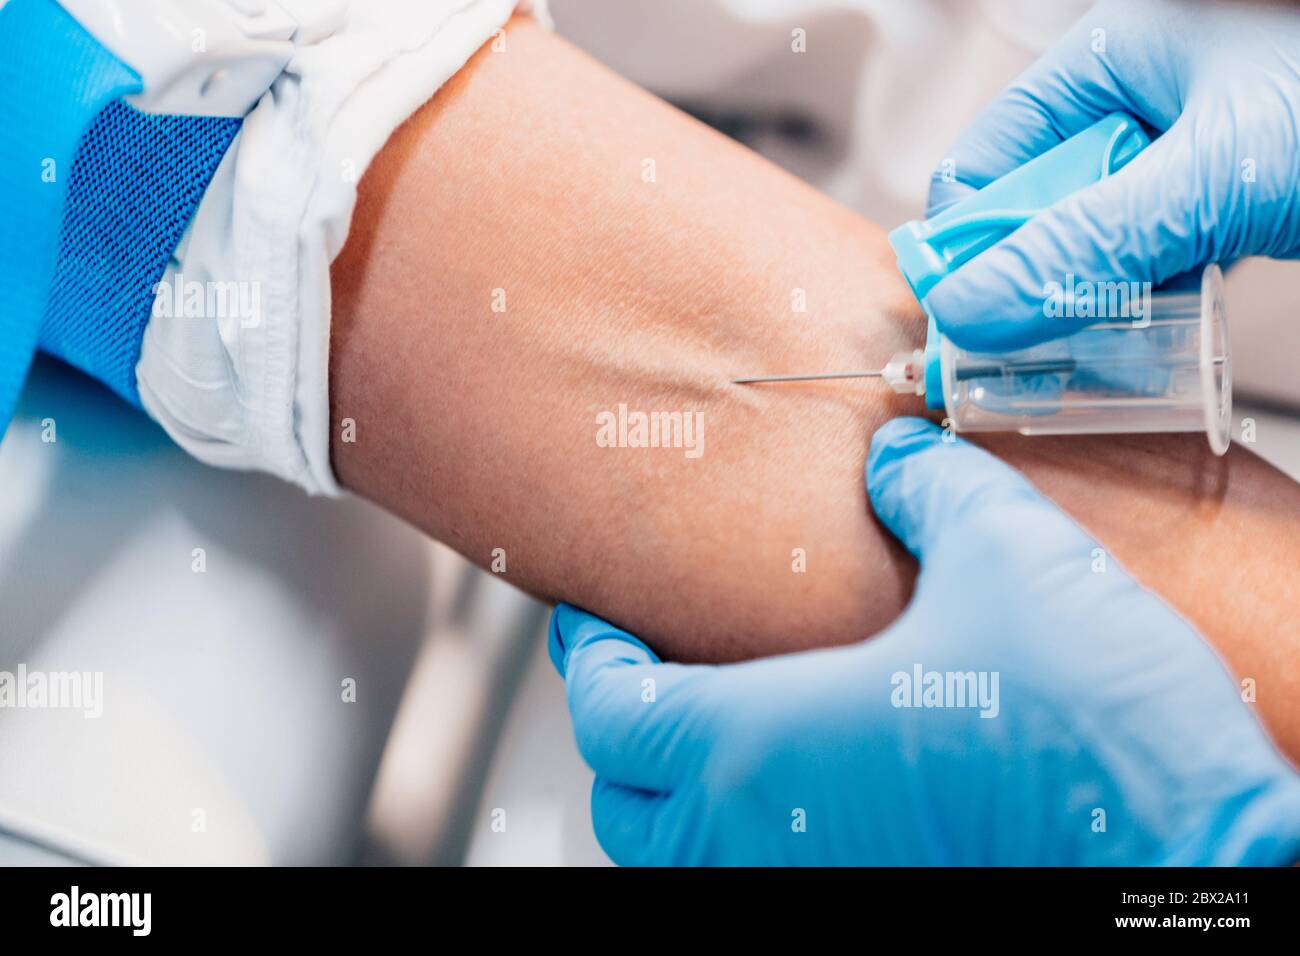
[235, 365]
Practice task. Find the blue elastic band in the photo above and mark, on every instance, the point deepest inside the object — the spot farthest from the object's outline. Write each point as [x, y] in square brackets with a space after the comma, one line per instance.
[98, 195]
[54, 79]
[137, 180]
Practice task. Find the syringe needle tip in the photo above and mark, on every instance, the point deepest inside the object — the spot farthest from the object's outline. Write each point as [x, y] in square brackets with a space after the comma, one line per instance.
[812, 377]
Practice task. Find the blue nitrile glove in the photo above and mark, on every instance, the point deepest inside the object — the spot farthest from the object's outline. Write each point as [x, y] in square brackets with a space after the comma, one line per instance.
[1113, 734]
[1222, 84]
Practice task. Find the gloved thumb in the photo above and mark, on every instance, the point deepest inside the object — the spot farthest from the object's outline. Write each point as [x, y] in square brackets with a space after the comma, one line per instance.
[928, 487]
[1094, 256]
[630, 713]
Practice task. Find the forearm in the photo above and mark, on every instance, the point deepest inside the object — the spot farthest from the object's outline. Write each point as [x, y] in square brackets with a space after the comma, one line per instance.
[528, 175]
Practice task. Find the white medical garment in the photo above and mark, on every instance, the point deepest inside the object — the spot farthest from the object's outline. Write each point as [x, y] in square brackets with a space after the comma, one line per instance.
[250, 389]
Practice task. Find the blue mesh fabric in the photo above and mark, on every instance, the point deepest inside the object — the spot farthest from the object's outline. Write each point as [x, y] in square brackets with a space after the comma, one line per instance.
[54, 80]
[135, 183]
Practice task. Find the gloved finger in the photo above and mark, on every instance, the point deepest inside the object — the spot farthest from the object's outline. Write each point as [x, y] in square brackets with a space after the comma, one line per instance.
[1112, 241]
[1013, 129]
[1091, 72]
[924, 489]
[632, 716]
[631, 825]
[571, 626]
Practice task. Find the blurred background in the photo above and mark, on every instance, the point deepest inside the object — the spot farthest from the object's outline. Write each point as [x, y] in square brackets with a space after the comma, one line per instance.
[230, 736]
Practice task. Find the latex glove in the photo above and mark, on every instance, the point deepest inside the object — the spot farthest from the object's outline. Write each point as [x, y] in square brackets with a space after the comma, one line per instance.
[1113, 735]
[1222, 83]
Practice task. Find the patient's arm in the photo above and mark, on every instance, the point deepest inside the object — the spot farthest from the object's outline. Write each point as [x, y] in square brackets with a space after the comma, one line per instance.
[525, 183]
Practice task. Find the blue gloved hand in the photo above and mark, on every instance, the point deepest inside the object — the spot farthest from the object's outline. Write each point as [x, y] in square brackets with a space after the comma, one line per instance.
[1097, 726]
[1222, 84]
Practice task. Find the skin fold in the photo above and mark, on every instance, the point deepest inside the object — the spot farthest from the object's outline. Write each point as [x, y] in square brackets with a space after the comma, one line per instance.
[543, 242]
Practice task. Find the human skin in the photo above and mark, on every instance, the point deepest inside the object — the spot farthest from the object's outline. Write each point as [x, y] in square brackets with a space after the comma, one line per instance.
[523, 181]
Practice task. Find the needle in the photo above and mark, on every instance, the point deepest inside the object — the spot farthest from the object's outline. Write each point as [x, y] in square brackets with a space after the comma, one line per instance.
[814, 377]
